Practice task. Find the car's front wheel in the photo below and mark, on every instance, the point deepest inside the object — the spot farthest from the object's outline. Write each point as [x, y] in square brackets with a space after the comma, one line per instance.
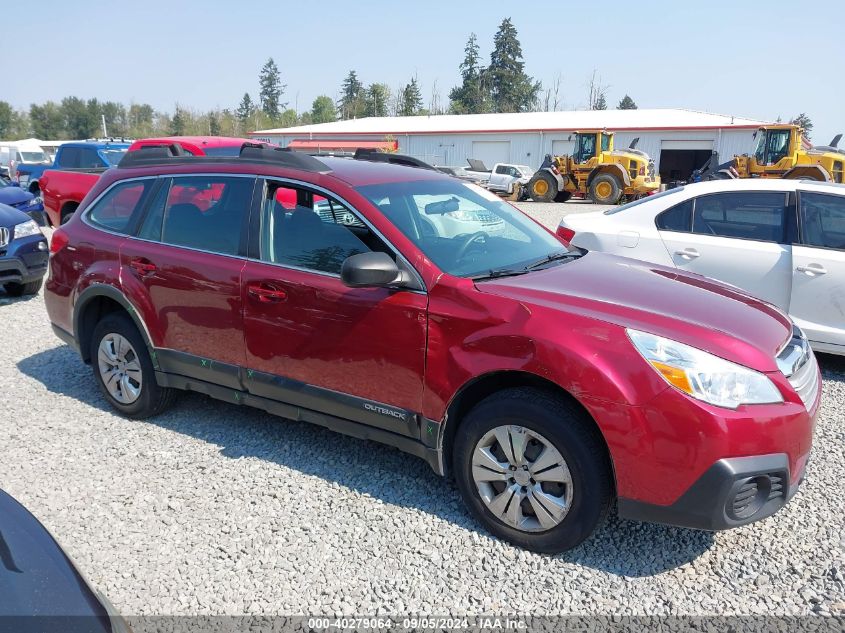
[123, 369]
[16, 289]
[533, 470]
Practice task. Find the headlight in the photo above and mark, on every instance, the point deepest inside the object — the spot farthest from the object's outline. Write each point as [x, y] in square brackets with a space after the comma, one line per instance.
[703, 376]
[462, 216]
[25, 229]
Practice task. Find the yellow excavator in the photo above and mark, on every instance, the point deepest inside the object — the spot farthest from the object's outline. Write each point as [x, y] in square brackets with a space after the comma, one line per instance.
[780, 153]
[595, 170]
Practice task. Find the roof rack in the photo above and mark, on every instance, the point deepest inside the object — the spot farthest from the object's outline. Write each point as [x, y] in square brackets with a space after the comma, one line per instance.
[173, 154]
[386, 157]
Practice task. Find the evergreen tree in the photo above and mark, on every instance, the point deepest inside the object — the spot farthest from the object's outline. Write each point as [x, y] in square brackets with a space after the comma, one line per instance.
[352, 90]
[322, 110]
[6, 118]
[178, 123]
[376, 98]
[245, 109]
[600, 103]
[803, 121]
[627, 104]
[213, 124]
[410, 101]
[512, 89]
[270, 81]
[473, 95]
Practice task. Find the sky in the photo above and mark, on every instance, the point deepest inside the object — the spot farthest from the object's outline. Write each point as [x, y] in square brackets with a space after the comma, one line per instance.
[752, 59]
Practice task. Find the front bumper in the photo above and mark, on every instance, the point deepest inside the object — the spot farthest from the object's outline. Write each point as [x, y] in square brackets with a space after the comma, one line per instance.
[24, 260]
[732, 492]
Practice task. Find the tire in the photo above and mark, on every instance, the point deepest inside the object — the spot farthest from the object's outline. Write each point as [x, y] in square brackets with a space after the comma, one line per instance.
[151, 399]
[563, 196]
[605, 189]
[66, 215]
[14, 289]
[571, 434]
[542, 187]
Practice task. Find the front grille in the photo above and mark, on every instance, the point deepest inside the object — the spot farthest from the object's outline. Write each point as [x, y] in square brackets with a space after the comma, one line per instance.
[4, 236]
[798, 363]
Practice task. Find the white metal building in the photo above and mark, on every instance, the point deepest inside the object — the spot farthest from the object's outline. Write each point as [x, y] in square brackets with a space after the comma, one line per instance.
[678, 140]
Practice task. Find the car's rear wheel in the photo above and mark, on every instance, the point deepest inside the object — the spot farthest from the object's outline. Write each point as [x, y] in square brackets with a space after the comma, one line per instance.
[15, 289]
[533, 470]
[123, 369]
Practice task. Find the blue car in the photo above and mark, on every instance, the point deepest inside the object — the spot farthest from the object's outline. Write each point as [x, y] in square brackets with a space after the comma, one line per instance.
[22, 200]
[23, 253]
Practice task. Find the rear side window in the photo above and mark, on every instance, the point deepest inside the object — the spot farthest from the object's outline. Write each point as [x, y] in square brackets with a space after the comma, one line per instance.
[89, 159]
[206, 213]
[678, 218]
[745, 215]
[114, 211]
[822, 220]
[69, 157]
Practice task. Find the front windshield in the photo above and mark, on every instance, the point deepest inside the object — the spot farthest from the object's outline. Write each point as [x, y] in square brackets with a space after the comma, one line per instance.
[113, 156]
[586, 147]
[34, 157]
[464, 229]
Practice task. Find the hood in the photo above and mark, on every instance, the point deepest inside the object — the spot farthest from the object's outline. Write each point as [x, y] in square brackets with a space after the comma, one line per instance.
[14, 195]
[9, 216]
[688, 308]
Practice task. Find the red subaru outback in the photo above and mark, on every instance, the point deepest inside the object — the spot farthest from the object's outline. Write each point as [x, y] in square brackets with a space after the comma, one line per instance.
[402, 305]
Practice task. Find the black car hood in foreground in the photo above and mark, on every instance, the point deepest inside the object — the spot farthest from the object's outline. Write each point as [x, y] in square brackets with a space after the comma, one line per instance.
[38, 579]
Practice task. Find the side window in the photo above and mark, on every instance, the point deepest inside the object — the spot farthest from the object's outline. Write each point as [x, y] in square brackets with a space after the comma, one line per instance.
[88, 158]
[115, 209]
[744, 215]
[70, 157]
[822, 220]
[501, 169]
[678, 218]
[202, 212]
[302, 228]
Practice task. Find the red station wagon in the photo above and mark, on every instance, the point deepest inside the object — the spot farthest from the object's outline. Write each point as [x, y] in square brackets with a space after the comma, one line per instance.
[550, 382]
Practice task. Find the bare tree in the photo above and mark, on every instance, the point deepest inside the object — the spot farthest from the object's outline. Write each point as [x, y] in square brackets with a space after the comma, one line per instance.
[597, 97]
[434, 106]
[551, 101]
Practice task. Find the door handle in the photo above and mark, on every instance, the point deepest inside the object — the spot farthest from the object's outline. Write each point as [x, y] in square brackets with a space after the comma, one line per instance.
[143, 266]
[811, 269]
[688, 253]
[264, 292]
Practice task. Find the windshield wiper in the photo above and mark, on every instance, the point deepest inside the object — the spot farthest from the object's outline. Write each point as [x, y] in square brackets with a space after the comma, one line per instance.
[552, 257]
[499, 272]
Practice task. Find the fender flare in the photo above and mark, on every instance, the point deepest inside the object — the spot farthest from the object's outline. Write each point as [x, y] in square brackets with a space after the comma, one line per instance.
[620, 173]
[105, 290]
[799, 171]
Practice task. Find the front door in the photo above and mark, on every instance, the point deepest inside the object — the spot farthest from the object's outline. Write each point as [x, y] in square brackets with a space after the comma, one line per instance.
[739, 238]
[818, 282]
[186, 263]
[311, 341]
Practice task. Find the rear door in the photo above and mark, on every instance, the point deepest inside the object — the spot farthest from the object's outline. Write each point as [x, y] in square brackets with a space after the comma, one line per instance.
[183, 268]
[818, 283]
[739, 238]
[312, 341]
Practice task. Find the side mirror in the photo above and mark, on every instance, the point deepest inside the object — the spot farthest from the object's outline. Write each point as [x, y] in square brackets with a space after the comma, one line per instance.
[371, 270]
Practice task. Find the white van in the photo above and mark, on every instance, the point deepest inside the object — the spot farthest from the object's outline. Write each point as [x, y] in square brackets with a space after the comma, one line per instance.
[13, 153]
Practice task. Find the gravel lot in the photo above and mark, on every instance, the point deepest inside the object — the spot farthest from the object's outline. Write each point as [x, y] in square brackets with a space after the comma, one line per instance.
[215, 509]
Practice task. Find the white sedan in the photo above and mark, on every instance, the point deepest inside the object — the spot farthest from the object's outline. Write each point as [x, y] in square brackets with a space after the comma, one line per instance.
[779, 240]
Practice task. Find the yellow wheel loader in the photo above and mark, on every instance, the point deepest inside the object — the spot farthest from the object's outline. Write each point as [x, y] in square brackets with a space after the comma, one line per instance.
[595, 170]
[780, 153]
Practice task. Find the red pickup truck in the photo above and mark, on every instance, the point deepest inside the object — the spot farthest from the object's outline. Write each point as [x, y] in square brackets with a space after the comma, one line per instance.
[64, 190]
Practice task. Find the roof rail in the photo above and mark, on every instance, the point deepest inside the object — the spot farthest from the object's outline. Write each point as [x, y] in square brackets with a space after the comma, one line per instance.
[394, 159]
[173, 154]
[262, 152]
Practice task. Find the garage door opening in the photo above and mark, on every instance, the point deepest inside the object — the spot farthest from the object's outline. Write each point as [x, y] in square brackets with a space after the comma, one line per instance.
[678, 164]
